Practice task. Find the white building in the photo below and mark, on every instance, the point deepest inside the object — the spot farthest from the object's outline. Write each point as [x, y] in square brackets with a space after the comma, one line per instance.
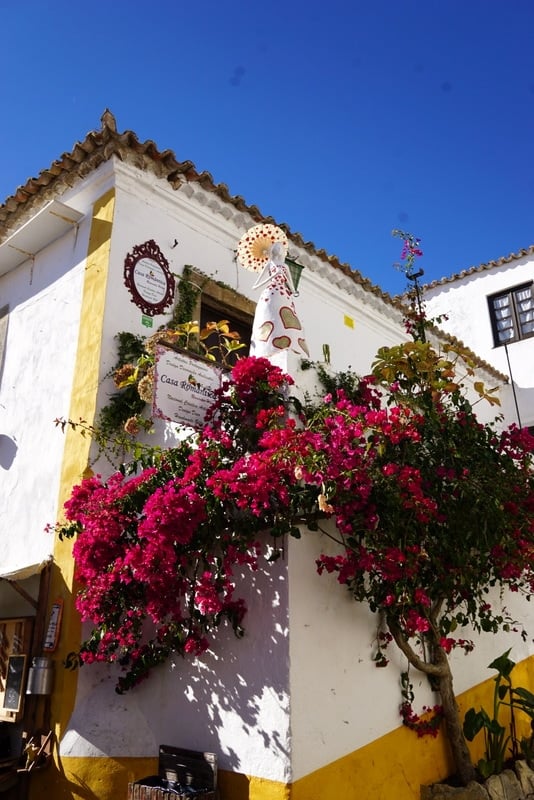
[491, 309]
[296, 709]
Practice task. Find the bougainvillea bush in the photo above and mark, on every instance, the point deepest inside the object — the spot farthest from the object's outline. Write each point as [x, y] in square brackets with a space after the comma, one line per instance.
[431, 508]
[434, 508]
[155, 553]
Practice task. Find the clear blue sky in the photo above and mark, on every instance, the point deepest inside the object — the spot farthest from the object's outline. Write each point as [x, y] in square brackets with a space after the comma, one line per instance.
[343, 118]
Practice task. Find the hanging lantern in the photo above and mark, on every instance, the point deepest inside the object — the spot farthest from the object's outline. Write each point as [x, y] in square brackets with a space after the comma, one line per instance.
[296, 271]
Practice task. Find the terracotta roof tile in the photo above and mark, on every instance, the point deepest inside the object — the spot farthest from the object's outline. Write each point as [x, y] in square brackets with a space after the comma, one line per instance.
[463, 348]
[526, 251]
[98, 146]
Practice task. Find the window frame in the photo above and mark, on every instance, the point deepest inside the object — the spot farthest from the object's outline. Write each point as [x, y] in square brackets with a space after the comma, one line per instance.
[223, 302]
[518, 334]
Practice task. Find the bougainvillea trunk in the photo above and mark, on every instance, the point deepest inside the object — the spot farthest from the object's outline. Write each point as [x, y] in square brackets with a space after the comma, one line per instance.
[460, 753]
[439, 670]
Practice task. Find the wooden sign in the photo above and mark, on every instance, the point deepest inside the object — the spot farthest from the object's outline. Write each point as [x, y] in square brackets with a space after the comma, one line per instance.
[54, 627]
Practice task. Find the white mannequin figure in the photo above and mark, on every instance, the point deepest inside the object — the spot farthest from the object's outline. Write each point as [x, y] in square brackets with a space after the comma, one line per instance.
[276, 324]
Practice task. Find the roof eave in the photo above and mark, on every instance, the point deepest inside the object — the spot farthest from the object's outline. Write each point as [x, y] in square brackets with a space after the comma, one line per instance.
[100, 145]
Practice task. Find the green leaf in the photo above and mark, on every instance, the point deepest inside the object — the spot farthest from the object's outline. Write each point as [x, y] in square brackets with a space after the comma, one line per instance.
[473, 723]
[525, 702]
[486, 768]
[502, 691]
[503, 664]
[492, 726]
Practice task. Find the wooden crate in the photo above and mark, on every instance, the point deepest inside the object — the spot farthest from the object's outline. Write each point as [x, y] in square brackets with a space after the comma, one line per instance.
[136, 791]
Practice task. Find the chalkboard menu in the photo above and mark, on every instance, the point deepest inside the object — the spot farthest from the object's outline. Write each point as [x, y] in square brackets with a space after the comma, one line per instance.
[14, 683]
[15, 645]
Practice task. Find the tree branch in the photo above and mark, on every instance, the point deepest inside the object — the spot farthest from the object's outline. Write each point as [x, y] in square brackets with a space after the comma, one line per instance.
[415, 660]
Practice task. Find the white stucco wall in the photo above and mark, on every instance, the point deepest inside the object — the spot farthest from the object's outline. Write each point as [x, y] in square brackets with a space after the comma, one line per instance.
[340, 700]
[44, 302]
[233, 701]
[44, 296]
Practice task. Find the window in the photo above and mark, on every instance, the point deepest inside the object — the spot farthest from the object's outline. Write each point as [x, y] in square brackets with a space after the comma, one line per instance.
[217, 302]
[240, 324]
[512, 314]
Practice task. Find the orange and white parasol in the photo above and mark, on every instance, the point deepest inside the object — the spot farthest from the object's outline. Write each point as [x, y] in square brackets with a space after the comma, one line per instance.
[254, 247]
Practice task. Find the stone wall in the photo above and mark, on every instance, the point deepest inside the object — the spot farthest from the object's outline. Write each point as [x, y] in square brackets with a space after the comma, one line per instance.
[512, 784]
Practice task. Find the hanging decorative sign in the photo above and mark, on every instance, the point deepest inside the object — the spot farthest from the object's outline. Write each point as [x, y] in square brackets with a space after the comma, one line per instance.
[149, 279]
[184, 387]
[54, 627]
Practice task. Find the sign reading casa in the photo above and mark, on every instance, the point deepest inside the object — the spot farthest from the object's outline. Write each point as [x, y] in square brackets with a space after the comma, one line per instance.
[184, 387]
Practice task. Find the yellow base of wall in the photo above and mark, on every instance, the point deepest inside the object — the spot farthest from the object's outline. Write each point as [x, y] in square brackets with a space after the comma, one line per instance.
[108, 778]
[89, 778]
[395, 766]
[390, 768]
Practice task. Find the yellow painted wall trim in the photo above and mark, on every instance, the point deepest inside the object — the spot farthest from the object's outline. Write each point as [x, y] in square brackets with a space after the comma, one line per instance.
[76, 449]
[108, 778]
[397, 764]
[235, 786]
[393, 766]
